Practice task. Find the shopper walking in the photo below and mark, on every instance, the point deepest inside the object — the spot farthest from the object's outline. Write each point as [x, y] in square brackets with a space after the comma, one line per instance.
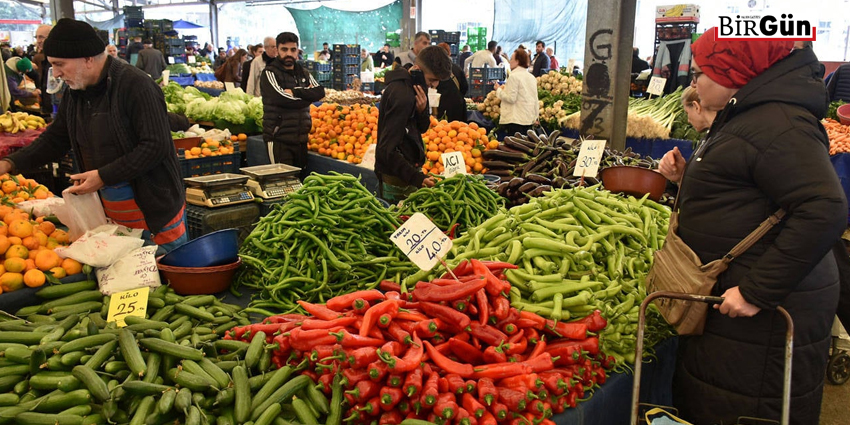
[288, 90]
[541, 60]
[151, 60]
[464, 55]
[233, 68]
[134, 48]
[254, 52]
[452, 91]
[257, 66]
[519, 105]
[751, 165]
[113, 118]
[420, 41]
[400, 153]
[220, 59]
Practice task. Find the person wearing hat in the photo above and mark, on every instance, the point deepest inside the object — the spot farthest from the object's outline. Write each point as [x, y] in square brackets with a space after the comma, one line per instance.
[151, 60]
[15, 69]
[113, 117]
[765, 150]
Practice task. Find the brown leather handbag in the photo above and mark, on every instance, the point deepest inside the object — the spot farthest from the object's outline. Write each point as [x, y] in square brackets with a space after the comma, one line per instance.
[677, 268]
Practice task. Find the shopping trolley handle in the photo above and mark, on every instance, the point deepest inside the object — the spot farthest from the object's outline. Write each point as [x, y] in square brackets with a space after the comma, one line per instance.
[687, 297]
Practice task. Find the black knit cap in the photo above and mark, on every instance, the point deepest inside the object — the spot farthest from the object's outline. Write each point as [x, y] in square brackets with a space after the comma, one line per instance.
[71, 39]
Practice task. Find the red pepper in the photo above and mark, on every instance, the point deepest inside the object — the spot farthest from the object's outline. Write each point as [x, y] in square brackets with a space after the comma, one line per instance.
[493, 354]
[371, 316]
[537, 407]
[487, 334]
[413, 383]
[397, 333]
[321, 352]
[341, 302]
[465, 351]
[318, 311]
[541, 363]
[372, 407]
[483, 306]
[353, 376]
[462, 269]
[430, 390]
[390, 397]
[500, 411]
[429, 328]
[487, 419]
[515, 400]
[456, 383]
[411, 316]
[497, 266]
[553, 381]
[425, 291]
[461, 305]
[501, 370]
[388, 285]
[377, 371]
[571, 399]
[395, 380]
[487, 392]
[393, 348]
[547, 422]
[595, 322]
[539, 321]
[304, 341]
[560, 404]
[404, 407]
[410, 360]
[444, 348]
[528, 381]
[447, 314]
[446, 407]
[501, 306]
[600, 375]
[364, 390]
[326, 382]
[516, 344]
[463, 417]
[572, 330]
[448, 365]
[347, 339]
[359, 306]
[311, 324]
[539, 348]
[384, 321]
[471, 386]
[393, 417]
[284, 318]
[283, 343]
[472, 405]
[494, 285]
[571, 351]
[268, 329]
[355, 415]
[311, 374]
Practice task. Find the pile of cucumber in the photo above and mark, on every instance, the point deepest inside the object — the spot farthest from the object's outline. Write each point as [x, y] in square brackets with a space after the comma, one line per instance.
[63, 364]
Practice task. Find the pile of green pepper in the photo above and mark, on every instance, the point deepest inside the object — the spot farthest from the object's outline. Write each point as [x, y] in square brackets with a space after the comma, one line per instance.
[463, 199]
[331, 236]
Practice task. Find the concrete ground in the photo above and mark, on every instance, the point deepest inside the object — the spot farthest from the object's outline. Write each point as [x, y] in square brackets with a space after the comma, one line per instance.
[835, 409]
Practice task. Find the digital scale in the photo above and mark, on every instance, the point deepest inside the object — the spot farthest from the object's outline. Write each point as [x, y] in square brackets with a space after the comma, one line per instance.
[272, 181]
[217, 190]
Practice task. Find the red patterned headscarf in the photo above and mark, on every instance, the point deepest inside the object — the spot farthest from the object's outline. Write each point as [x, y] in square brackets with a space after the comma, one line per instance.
[733, 63]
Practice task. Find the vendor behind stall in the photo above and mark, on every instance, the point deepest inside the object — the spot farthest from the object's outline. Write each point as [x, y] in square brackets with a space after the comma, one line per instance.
[15, 69]
[114, 118]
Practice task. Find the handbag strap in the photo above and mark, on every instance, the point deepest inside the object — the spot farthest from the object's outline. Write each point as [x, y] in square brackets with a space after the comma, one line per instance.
[753, 237]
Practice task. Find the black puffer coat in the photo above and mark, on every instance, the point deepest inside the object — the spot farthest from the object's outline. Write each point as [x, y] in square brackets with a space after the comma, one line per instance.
[286, 116]
[765, 150]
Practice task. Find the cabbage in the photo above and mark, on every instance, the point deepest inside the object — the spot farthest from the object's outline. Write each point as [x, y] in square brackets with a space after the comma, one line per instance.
[255, 110]
[237, 95]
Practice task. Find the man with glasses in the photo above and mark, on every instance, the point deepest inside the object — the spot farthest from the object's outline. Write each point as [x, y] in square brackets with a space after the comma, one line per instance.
[42, 65]
[257, 66]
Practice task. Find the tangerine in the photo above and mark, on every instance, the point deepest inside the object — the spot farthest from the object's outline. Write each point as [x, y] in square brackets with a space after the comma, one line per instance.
[11, 281]
[15, 265]
[20, 228]
[34, 278]
[17, 251]
[47, 259]
[72, 266]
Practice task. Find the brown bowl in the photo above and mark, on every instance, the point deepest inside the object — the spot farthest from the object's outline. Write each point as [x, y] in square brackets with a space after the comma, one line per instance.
[635, 181]
[187, 143]
[199, 280]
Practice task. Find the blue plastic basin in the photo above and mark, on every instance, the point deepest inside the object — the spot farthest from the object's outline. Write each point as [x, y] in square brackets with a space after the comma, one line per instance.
[214, 249]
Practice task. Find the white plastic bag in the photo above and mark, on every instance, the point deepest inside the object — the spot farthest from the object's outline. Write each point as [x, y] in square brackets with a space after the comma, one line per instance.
[41, 207]
[103, 245]
[369, 157]
[135, 270]
[80, 213]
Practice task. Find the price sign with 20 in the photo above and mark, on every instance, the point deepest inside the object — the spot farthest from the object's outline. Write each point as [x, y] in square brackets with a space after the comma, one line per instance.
[422, 241]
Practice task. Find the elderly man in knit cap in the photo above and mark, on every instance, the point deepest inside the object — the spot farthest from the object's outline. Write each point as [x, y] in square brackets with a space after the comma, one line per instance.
[114, 118]
[765, 153]
[15, 69]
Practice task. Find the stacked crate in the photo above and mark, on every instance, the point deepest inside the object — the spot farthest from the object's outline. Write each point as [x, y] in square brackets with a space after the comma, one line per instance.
[452, 38]
[476, 37]
[134, 17]
[321, 72]
[481, 80]
[346, 65]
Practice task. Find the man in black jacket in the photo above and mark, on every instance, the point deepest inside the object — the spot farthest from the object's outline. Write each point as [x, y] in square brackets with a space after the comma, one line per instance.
[114, 118]
[541, 60]
[288, 90]
[403, 115]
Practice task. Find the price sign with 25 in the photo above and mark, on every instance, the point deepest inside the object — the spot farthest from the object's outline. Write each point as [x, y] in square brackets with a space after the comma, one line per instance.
[422, 241]
[587, 164]
[128, 303]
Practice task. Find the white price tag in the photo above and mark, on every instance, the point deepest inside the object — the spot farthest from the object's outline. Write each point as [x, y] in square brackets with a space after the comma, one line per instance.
[570, 64]
[190, 59]
[454, 164]
[422, 242]
[165, 75]
[229, 87]
[656, 86]
[587, 163]
[171, 60]
[128, 303]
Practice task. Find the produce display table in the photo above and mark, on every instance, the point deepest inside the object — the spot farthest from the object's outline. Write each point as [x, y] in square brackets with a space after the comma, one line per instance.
[211, 92]
[258, 155]
[205, 77]
[183, 81]
[11, 142]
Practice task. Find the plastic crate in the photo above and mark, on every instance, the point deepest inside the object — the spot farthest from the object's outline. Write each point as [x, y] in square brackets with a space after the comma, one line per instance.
[229, 163]
[437, 36]
[346, 49]
[318, 67]
[203, 220]
[343, 82]
[176, 51]
[323, 77]
[346, 69]
[392, 35]
[451, 37]
[479, 90]
[346, 60]
[487, 73]
[367, 87]
[267, 205]
[136, 24]
[454, 49]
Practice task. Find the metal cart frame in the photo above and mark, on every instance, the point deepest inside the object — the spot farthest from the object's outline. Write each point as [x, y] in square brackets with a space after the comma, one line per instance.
[789, 351]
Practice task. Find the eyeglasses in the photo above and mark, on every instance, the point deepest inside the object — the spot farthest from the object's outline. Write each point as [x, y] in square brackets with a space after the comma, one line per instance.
[696, 75]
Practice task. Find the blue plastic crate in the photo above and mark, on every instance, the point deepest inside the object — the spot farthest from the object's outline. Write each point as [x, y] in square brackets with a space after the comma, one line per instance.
[195, 167]
[346, 69]
[318, 67]
[346, 49]
[346, 60]
[487, 73]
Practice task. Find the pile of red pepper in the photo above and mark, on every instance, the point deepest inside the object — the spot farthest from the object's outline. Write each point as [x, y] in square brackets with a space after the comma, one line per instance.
[453, 351]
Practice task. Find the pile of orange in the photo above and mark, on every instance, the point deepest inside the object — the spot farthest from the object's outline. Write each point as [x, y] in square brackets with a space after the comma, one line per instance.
[210, 147]
[343, 132]
[17, 189]
[455, 136]
[26, 251]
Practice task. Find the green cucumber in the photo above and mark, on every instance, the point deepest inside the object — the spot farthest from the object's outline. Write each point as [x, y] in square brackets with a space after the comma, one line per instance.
[21, 337]
[58, 402]
[76, 298]
[196, 369]
[189, 380]
[278, 379]
[152, 367]
[145, 407]
[130, 351]
[171, 349]
[92, 381]
[242, 401]
[32, 418]
[166, 402]
[255, 349]
[65, 289]
[183, 400]
[90, 341]
[104, 353]
[145, 388]
[282, 394]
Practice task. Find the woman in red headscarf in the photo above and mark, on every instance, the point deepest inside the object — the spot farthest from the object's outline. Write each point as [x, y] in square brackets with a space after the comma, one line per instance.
[765, 150]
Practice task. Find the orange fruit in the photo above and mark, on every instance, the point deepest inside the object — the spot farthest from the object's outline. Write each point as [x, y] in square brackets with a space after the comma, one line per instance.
[34, 278]
[4, 244]
[20, 228]
[15, 265]
[14, 240]
[40, 237]
[195, 151]
[30, 265]
[213, 144]
[72, 266]
[51, 243]
[17, 251]
[11, 281]
[47, 227]
[31, 242]
[61, 236]
[41, 194]
[58, 272]
[8, 186]
[47, 259]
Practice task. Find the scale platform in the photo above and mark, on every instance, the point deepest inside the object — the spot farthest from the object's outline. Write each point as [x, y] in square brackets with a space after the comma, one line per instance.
[272, 181]
[217, 190]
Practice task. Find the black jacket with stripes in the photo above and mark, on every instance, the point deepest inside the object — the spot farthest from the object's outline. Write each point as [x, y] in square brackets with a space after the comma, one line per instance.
[286, 115]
